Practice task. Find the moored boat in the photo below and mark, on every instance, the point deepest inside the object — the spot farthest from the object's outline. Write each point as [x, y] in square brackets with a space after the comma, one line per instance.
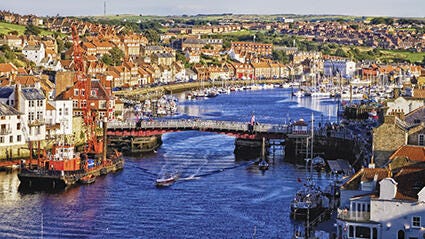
[263, 164]
[88, 179]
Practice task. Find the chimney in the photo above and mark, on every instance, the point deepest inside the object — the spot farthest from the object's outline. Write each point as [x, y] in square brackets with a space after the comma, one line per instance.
[18, 90]
[388, 189]
[389, 119]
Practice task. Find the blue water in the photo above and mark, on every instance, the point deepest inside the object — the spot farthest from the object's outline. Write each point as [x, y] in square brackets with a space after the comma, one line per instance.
[216, 197]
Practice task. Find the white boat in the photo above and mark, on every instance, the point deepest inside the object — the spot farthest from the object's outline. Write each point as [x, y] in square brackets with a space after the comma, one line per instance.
[299, 94]
[320, 94]
[166, 180]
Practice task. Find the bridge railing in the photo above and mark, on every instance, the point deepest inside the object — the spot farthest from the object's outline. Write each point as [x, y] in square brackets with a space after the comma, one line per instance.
[200, 125]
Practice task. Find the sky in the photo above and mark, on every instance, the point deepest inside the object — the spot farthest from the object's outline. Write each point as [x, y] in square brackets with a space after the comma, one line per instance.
[397, 8]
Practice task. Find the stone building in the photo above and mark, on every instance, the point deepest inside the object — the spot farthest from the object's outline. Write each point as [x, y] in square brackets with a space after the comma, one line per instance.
[387, 138]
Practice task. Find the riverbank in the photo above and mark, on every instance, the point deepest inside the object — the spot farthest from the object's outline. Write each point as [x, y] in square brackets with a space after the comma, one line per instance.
[143, 94]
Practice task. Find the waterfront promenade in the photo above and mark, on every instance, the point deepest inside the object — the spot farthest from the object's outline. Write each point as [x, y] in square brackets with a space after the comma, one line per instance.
[142, 94]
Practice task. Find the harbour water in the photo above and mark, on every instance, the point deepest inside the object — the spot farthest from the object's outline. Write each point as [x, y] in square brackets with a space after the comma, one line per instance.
[215, 197]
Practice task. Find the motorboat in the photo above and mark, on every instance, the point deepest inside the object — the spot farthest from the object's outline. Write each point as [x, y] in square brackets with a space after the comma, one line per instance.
[263, 165]
[166, 180]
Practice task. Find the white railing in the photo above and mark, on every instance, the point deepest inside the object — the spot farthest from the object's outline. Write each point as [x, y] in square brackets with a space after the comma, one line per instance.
[348, 215]
[201, 125]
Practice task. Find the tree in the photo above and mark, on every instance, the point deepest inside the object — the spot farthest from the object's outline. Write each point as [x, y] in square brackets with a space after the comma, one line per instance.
[116, 56]
[280, 56]
[32, 30]
[152, 35]
[340, 52]
[14, 32]
[107, 59]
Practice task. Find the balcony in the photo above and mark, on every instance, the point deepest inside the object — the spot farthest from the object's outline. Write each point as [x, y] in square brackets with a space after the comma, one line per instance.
[356, 216]
[5, 131]
[37, 122]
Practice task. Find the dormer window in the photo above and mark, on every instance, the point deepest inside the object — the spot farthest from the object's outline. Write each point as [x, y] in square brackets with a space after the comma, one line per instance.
[76, 92]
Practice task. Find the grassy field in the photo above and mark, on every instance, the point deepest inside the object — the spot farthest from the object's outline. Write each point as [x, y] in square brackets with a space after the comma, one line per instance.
[391, 55]
[410, 56]
[8, 27]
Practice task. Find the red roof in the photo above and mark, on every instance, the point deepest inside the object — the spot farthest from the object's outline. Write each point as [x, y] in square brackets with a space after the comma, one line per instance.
[415, 153]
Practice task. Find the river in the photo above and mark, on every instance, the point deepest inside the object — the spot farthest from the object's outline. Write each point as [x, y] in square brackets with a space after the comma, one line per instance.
[216, 197]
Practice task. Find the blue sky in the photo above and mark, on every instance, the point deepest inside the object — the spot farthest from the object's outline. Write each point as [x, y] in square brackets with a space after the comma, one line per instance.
[402, 8]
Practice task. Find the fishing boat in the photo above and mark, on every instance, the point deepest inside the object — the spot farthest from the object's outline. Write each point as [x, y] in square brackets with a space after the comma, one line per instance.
[310, 200]
[167, 180]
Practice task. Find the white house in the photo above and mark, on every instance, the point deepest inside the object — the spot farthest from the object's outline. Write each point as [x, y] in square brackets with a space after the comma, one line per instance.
[32, 103]
[404, 105]
[394, 211]
[51, 64]
[10, 127]
[236, 56]
[192, 56]
[59, 117]
[343, 68]
[34, 53]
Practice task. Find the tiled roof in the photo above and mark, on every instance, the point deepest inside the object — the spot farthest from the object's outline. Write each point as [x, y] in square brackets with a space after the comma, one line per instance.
[5, 92]
[365, 175]
[410, 181]
[8, 110]
[419, 93]
[7, 67]
[50, 106]
[26, 80]
[32, 94]
[415, 153]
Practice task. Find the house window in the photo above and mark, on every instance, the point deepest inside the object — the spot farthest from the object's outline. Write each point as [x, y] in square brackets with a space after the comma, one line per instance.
[421, 139]
[416, 221]
[39, 115]
[18, 138]
[31, 116]
[11, 139]
[75, 103]
[66, 111]
[1, 140]
[76, 92]
[60, 112]
[18, 126]
[351, 231]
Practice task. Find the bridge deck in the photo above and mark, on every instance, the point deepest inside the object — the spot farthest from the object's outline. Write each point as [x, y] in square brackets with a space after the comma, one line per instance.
[202, 125]
[238, 128]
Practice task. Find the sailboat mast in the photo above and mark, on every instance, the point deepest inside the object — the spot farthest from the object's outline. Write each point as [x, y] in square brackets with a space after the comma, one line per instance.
[312, 135]
[263, 149]
[312, 142]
